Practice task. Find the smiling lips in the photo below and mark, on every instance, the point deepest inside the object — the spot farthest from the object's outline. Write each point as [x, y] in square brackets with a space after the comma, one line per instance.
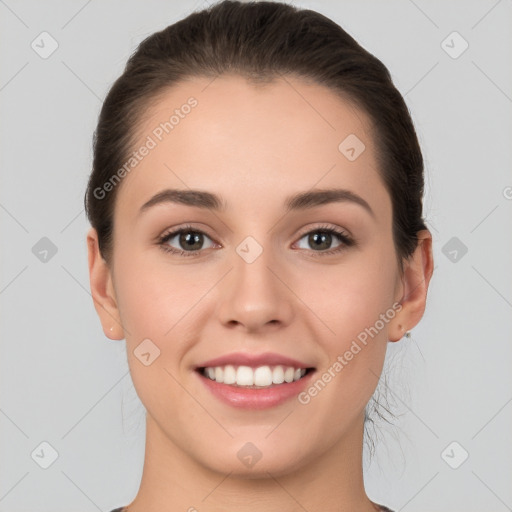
[254, 381]
[262, 376]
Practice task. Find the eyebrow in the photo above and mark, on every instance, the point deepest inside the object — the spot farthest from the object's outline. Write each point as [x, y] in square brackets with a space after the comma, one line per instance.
[301, 201]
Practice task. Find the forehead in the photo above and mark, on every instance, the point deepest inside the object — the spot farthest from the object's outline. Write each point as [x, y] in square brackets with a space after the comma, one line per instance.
[245, 140]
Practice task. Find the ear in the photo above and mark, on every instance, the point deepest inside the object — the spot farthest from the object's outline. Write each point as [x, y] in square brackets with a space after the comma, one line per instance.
[414, 286]
[102, 290]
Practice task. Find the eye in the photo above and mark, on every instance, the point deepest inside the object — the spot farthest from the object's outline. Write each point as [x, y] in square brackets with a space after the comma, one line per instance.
[322, 238]
[189, 241]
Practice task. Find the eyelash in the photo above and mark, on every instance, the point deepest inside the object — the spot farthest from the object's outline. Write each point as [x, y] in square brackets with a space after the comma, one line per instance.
[346, 241]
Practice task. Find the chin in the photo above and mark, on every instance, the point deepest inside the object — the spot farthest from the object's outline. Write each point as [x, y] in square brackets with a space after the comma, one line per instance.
[249, 460]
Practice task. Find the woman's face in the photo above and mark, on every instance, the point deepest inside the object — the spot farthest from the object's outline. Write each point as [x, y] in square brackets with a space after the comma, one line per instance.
[260, 277]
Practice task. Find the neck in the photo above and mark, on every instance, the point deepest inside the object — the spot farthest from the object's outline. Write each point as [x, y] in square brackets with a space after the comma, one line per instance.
[173, 481]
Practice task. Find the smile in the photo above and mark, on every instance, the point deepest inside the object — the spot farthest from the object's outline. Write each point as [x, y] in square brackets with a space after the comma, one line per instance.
[262, 387]
[255, 378]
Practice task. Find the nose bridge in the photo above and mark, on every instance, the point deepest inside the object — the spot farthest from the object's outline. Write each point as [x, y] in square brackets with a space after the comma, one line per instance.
[253, 296]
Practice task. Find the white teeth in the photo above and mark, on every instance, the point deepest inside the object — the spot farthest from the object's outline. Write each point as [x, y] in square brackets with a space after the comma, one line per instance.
[288, 374]
[278, 375]
[262, 376]
[244, 376]
[229, 374]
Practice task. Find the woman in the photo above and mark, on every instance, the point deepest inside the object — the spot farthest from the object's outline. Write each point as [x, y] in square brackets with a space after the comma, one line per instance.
[257, 238]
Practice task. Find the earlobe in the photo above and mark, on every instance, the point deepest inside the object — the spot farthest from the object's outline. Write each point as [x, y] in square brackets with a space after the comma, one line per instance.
[415, 280]
[102, 289]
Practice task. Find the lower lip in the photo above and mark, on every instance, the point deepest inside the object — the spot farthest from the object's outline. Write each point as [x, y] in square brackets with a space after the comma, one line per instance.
[252, 398]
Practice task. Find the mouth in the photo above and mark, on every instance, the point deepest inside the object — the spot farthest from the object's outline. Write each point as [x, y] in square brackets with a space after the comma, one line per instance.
[260, 377]
[254, 381]
[254, 388]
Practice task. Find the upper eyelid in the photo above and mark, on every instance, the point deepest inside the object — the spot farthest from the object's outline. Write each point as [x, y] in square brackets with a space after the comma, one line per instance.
[326, 227]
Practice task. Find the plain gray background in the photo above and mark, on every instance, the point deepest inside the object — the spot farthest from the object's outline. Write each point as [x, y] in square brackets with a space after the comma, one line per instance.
[65, 384]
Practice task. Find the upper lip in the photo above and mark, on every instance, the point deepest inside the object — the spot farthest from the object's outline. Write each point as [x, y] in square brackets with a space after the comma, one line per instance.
[253, 360]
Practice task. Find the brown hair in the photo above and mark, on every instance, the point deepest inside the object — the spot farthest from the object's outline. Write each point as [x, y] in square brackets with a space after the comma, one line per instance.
[260, 41]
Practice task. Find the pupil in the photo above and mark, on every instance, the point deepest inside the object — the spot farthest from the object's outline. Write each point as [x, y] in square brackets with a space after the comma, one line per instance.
[189, 240]
[322, 241]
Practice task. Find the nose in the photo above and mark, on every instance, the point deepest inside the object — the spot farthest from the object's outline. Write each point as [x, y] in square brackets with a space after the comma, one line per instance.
[254, 296]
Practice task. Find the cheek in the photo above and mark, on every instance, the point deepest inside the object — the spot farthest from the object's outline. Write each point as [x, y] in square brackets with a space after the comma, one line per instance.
[156, 303]
[163, 303]
[350, 297]
[154, 296]
[355, 300]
